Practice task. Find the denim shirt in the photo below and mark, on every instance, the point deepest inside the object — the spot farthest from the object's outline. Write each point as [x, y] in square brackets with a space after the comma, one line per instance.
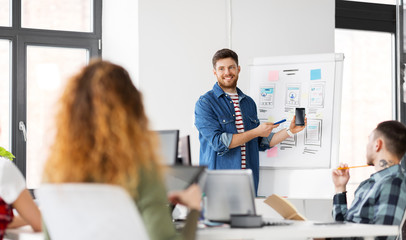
[215, 121]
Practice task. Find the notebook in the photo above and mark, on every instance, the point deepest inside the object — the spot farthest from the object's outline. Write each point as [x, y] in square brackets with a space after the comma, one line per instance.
[284, 207]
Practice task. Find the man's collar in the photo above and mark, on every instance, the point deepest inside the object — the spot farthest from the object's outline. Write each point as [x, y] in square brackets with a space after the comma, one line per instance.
[384, 172]
[218, 91]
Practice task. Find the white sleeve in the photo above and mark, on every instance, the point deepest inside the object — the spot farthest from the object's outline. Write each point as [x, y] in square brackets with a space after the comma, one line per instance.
[12, 182]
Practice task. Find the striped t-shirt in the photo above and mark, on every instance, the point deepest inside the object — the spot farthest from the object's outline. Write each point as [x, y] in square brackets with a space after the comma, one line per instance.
[239, 125]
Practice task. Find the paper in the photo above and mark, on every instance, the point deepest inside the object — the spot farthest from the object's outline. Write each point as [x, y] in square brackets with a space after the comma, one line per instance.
[273, 152]
[313, 132]
[271, 119]
[316, 97]
[315, 74]
[273, 75]
[293, 95]
[266, 96]
[263, 114]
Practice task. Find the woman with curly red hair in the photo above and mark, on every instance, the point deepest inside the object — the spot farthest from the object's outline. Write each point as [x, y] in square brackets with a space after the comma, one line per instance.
[103, 137]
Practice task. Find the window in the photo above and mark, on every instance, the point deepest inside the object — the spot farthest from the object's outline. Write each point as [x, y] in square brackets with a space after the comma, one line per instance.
[367, 40]
[48, 41]
[366, 94]
[393, 2]
[48, 68]
[5, 13]
[72, 15]
[5, 94]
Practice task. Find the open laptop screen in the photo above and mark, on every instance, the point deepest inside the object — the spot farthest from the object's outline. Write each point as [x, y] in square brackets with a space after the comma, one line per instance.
[229, 192]
[179, 177]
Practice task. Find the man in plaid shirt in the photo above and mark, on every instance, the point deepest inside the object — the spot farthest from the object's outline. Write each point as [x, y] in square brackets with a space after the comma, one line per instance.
[381, 199]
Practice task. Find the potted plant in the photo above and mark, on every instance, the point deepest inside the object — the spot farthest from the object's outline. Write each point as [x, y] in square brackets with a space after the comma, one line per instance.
[6, 154]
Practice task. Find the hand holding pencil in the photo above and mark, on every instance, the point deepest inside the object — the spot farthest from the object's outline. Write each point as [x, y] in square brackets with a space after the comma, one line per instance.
[340, 176]
[341, 168]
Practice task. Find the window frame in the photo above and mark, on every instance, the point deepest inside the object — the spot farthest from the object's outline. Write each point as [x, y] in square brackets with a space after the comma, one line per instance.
[20, 38]
[382, 18]
[365, 16]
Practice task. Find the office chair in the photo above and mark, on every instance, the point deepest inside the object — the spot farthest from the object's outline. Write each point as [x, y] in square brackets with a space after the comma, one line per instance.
[84, 211]
[402, 228]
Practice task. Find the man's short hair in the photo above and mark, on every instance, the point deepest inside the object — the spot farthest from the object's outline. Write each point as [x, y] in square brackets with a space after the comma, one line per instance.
[224, 53]
[394, 135]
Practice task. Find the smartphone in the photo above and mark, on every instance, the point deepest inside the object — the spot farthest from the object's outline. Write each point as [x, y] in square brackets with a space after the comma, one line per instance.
[300, 116]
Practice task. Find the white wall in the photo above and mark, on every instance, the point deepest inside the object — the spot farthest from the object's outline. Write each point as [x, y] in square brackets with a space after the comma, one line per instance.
[264, 28]
[177, 39]
[120, 34]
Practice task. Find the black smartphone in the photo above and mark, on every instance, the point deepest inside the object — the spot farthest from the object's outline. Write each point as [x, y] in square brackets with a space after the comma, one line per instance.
[300, 116]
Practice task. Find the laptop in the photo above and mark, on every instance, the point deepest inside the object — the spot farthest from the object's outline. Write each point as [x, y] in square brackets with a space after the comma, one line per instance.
[180, 177]
[177, 178]
[228, 192]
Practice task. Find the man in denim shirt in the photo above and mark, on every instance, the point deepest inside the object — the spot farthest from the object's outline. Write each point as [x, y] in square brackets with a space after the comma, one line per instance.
[230, 133]
[381, 198]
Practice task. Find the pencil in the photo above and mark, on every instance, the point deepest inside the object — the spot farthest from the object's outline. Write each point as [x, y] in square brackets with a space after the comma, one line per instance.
[353, 167]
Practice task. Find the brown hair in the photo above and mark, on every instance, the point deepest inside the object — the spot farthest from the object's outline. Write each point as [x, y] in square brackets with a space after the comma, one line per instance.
[102, 130]
[394, 134]
[224, 53]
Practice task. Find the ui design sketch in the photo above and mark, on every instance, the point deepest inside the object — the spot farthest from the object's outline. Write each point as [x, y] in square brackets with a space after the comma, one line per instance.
[281, 84]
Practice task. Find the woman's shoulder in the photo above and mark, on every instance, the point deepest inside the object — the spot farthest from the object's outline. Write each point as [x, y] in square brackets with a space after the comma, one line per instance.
[12, 182]
[7, 166]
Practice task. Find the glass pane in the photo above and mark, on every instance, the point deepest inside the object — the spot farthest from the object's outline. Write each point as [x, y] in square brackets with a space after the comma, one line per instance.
[366, 94]
[72, 15]
[48, 69]
[5, 13]
[404, 28]
[391, 2]
[5, 95]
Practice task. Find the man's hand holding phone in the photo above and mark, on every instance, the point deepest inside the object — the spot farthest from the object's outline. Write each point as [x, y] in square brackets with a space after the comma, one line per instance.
[299, 121]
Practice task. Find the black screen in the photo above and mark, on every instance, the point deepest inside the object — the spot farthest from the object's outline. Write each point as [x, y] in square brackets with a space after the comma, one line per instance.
[300, 117]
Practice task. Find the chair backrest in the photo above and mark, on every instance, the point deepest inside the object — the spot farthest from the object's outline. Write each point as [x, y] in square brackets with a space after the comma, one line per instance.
[402, 232]
[89, 211]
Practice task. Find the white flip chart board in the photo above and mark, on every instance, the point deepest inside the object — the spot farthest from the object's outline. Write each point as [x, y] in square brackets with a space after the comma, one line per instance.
[280, 84]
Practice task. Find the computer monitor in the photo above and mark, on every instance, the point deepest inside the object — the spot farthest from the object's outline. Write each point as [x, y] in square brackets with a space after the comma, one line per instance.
[229, 192]
[184, 156]
[169, 146]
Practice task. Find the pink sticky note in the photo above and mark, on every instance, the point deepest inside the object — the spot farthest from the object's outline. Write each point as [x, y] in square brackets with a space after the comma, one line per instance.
[273, 152]
[273, 75]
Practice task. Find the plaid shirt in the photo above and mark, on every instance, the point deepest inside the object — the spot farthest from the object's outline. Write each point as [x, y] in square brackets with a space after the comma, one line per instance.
[381, 199]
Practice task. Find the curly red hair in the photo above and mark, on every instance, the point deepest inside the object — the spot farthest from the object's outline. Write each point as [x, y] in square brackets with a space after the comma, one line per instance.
[102, 130]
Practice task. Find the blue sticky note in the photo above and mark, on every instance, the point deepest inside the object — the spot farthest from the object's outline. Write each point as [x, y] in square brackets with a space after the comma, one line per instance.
[315, 74]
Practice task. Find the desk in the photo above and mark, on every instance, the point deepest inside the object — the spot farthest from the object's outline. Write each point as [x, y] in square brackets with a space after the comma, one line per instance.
[299, 230]
[296, 231]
